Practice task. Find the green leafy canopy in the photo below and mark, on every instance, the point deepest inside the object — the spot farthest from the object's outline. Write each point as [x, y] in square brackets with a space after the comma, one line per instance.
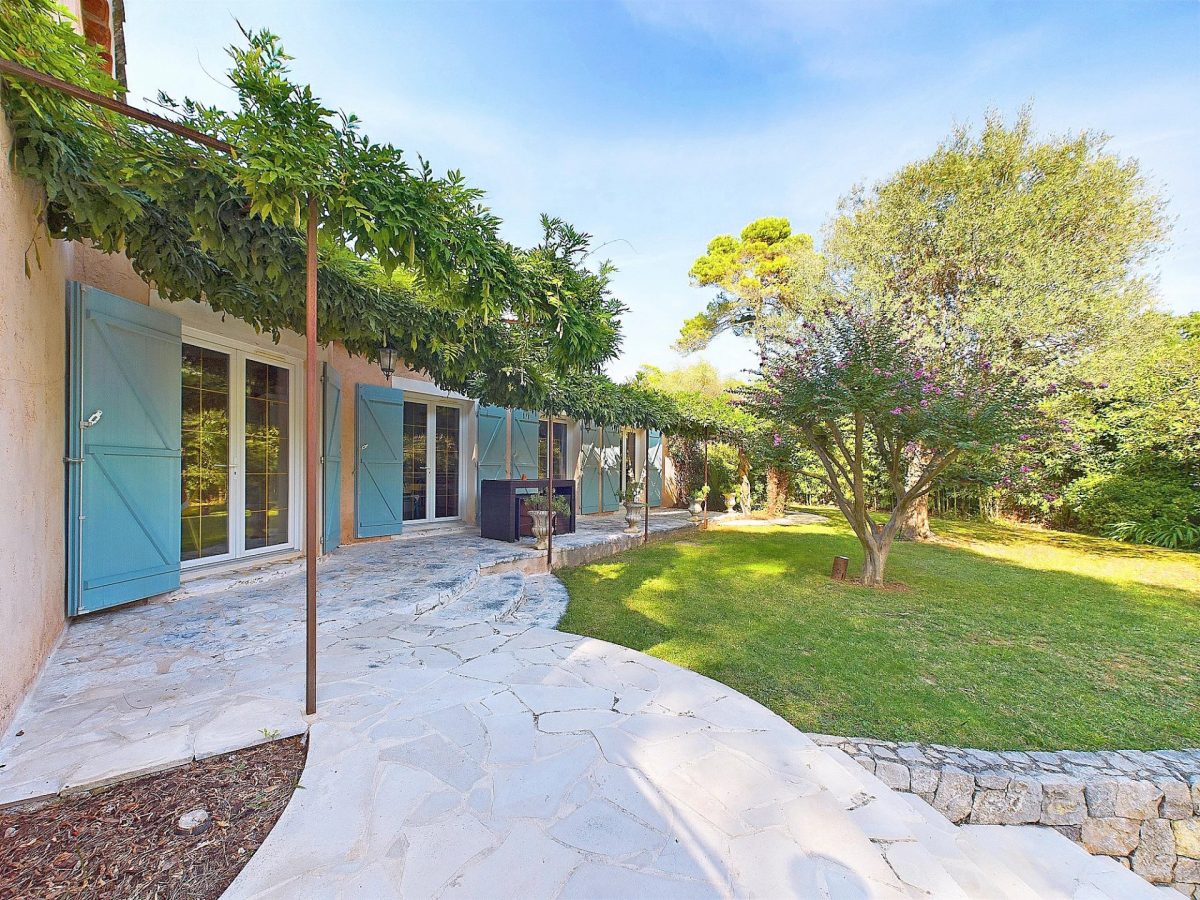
[403, 254]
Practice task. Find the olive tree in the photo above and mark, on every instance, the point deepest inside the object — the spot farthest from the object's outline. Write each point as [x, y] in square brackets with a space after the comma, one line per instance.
[1030, 248]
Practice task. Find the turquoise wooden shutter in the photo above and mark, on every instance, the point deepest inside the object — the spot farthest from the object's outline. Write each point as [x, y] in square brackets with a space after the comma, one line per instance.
[491, 437]
[655, 456]
[524, 443]
[610, 469]
[589, 465]
[331, 459]
[379, 468]
[123, 450]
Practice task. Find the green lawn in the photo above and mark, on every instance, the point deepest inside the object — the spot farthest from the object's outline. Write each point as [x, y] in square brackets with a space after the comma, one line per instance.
[996, 637]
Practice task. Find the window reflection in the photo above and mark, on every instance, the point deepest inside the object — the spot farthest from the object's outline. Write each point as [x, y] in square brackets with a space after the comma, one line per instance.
[267, 454]
[416, 466]
[446, 454]
[204, 507]
[560, 442]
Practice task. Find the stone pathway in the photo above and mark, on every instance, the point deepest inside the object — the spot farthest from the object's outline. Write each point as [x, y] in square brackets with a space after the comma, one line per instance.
[492, 760]
[219, 665]
[463, 749]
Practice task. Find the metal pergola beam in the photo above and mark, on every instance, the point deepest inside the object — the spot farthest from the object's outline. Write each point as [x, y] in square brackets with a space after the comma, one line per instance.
[16, 70]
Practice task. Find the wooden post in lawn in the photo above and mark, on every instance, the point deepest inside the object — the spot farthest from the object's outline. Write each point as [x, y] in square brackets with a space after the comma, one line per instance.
[841, 565]
[311, 453]
[549, 491]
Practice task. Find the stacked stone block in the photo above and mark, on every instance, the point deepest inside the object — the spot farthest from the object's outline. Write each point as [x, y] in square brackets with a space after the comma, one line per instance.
[1140, 807]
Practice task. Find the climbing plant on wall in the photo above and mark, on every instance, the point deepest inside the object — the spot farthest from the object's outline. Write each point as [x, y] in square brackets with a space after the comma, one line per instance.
[403, 254]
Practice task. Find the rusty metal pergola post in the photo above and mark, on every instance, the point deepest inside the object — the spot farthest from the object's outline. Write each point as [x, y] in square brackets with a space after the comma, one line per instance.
[16, 70]
[646, 492]
[705, 504]
[311, 452]
[549, 491]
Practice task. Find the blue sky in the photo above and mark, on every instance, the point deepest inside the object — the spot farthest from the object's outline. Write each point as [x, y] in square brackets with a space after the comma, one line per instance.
[656, 125]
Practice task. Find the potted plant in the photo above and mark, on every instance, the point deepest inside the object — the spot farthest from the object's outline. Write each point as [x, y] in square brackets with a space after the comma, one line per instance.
[633, 506]
[731, 501]
[698, 499]
[542, 510]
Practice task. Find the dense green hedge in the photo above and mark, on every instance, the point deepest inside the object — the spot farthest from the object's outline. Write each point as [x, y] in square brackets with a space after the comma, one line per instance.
[1140, 493]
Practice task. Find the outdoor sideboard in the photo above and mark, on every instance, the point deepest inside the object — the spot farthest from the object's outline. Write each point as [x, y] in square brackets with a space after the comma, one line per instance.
[502, 515]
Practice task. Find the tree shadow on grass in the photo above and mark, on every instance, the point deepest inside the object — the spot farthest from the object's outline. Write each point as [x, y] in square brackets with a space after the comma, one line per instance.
[986, 532]
[982, 651]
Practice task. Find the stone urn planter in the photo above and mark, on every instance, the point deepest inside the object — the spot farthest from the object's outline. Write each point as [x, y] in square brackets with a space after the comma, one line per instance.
[696, 510]
[633, 515]
[541, 526]
[731, 502]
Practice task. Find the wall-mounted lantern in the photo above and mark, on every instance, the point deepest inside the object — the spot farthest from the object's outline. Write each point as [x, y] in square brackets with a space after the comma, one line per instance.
[387, 359]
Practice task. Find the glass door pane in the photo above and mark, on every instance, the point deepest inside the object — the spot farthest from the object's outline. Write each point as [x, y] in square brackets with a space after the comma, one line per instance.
[416, 460]
[446, 454]
[204, 507]
[560, 442]
[268, 413]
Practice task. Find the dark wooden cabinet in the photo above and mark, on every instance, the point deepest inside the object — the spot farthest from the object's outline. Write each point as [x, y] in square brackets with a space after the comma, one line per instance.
[502, 515]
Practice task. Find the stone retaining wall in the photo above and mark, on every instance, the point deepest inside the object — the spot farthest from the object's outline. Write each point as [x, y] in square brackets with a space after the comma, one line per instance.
[1139, 807]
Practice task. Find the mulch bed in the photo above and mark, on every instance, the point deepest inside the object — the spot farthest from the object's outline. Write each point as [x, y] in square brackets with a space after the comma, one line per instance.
[121, 841]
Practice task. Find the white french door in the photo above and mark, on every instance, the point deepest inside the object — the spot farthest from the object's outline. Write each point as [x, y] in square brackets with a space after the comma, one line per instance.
[240, 484]
[433, 440]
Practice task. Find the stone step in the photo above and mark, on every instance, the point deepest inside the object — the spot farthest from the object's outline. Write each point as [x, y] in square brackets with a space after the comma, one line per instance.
[1011, 861]
[1057, 867]
[489, 598]
[545, 601]
[923, 846]
[453, 592]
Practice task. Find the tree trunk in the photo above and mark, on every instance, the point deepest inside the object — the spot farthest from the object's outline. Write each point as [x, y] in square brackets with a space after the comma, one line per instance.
[915, 525]
[875, 555]
[744, 475]
[779, 482]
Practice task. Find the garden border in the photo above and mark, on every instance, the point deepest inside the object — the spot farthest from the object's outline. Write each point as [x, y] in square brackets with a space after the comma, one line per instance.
[1140, 807]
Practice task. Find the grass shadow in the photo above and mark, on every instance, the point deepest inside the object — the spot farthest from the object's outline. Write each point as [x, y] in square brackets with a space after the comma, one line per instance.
[981, 651]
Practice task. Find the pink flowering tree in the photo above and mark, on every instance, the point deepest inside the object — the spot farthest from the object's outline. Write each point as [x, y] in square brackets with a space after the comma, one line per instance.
[858, 392]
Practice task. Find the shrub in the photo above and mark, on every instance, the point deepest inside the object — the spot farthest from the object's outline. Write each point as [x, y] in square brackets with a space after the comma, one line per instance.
[539, 501]
[1171, 535]
[1138, 494]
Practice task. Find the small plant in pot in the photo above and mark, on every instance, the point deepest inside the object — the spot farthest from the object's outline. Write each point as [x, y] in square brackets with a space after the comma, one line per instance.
[542, 510]
[698, 499]
[633, 506]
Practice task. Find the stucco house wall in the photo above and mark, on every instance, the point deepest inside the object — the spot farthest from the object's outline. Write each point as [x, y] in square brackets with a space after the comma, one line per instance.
[32, 387]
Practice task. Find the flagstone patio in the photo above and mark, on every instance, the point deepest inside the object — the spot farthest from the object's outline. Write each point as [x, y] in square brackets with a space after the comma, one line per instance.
[464, 749]
[219, 664]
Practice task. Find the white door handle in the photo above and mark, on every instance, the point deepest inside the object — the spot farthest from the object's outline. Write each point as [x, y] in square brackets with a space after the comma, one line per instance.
[92, 419]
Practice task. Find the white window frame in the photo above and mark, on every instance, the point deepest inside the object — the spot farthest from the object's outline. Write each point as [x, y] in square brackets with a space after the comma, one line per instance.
[432, 402]
[239, 352]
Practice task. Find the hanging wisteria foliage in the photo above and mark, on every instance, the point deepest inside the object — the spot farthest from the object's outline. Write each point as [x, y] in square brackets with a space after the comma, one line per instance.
[404, 254]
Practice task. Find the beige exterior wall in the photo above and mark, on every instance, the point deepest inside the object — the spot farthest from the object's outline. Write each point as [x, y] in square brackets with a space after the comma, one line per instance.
[32, 388]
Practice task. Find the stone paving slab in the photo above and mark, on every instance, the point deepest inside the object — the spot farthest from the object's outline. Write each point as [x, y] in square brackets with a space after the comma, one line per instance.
[219, 664]
[464, 750]
[607, 773]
